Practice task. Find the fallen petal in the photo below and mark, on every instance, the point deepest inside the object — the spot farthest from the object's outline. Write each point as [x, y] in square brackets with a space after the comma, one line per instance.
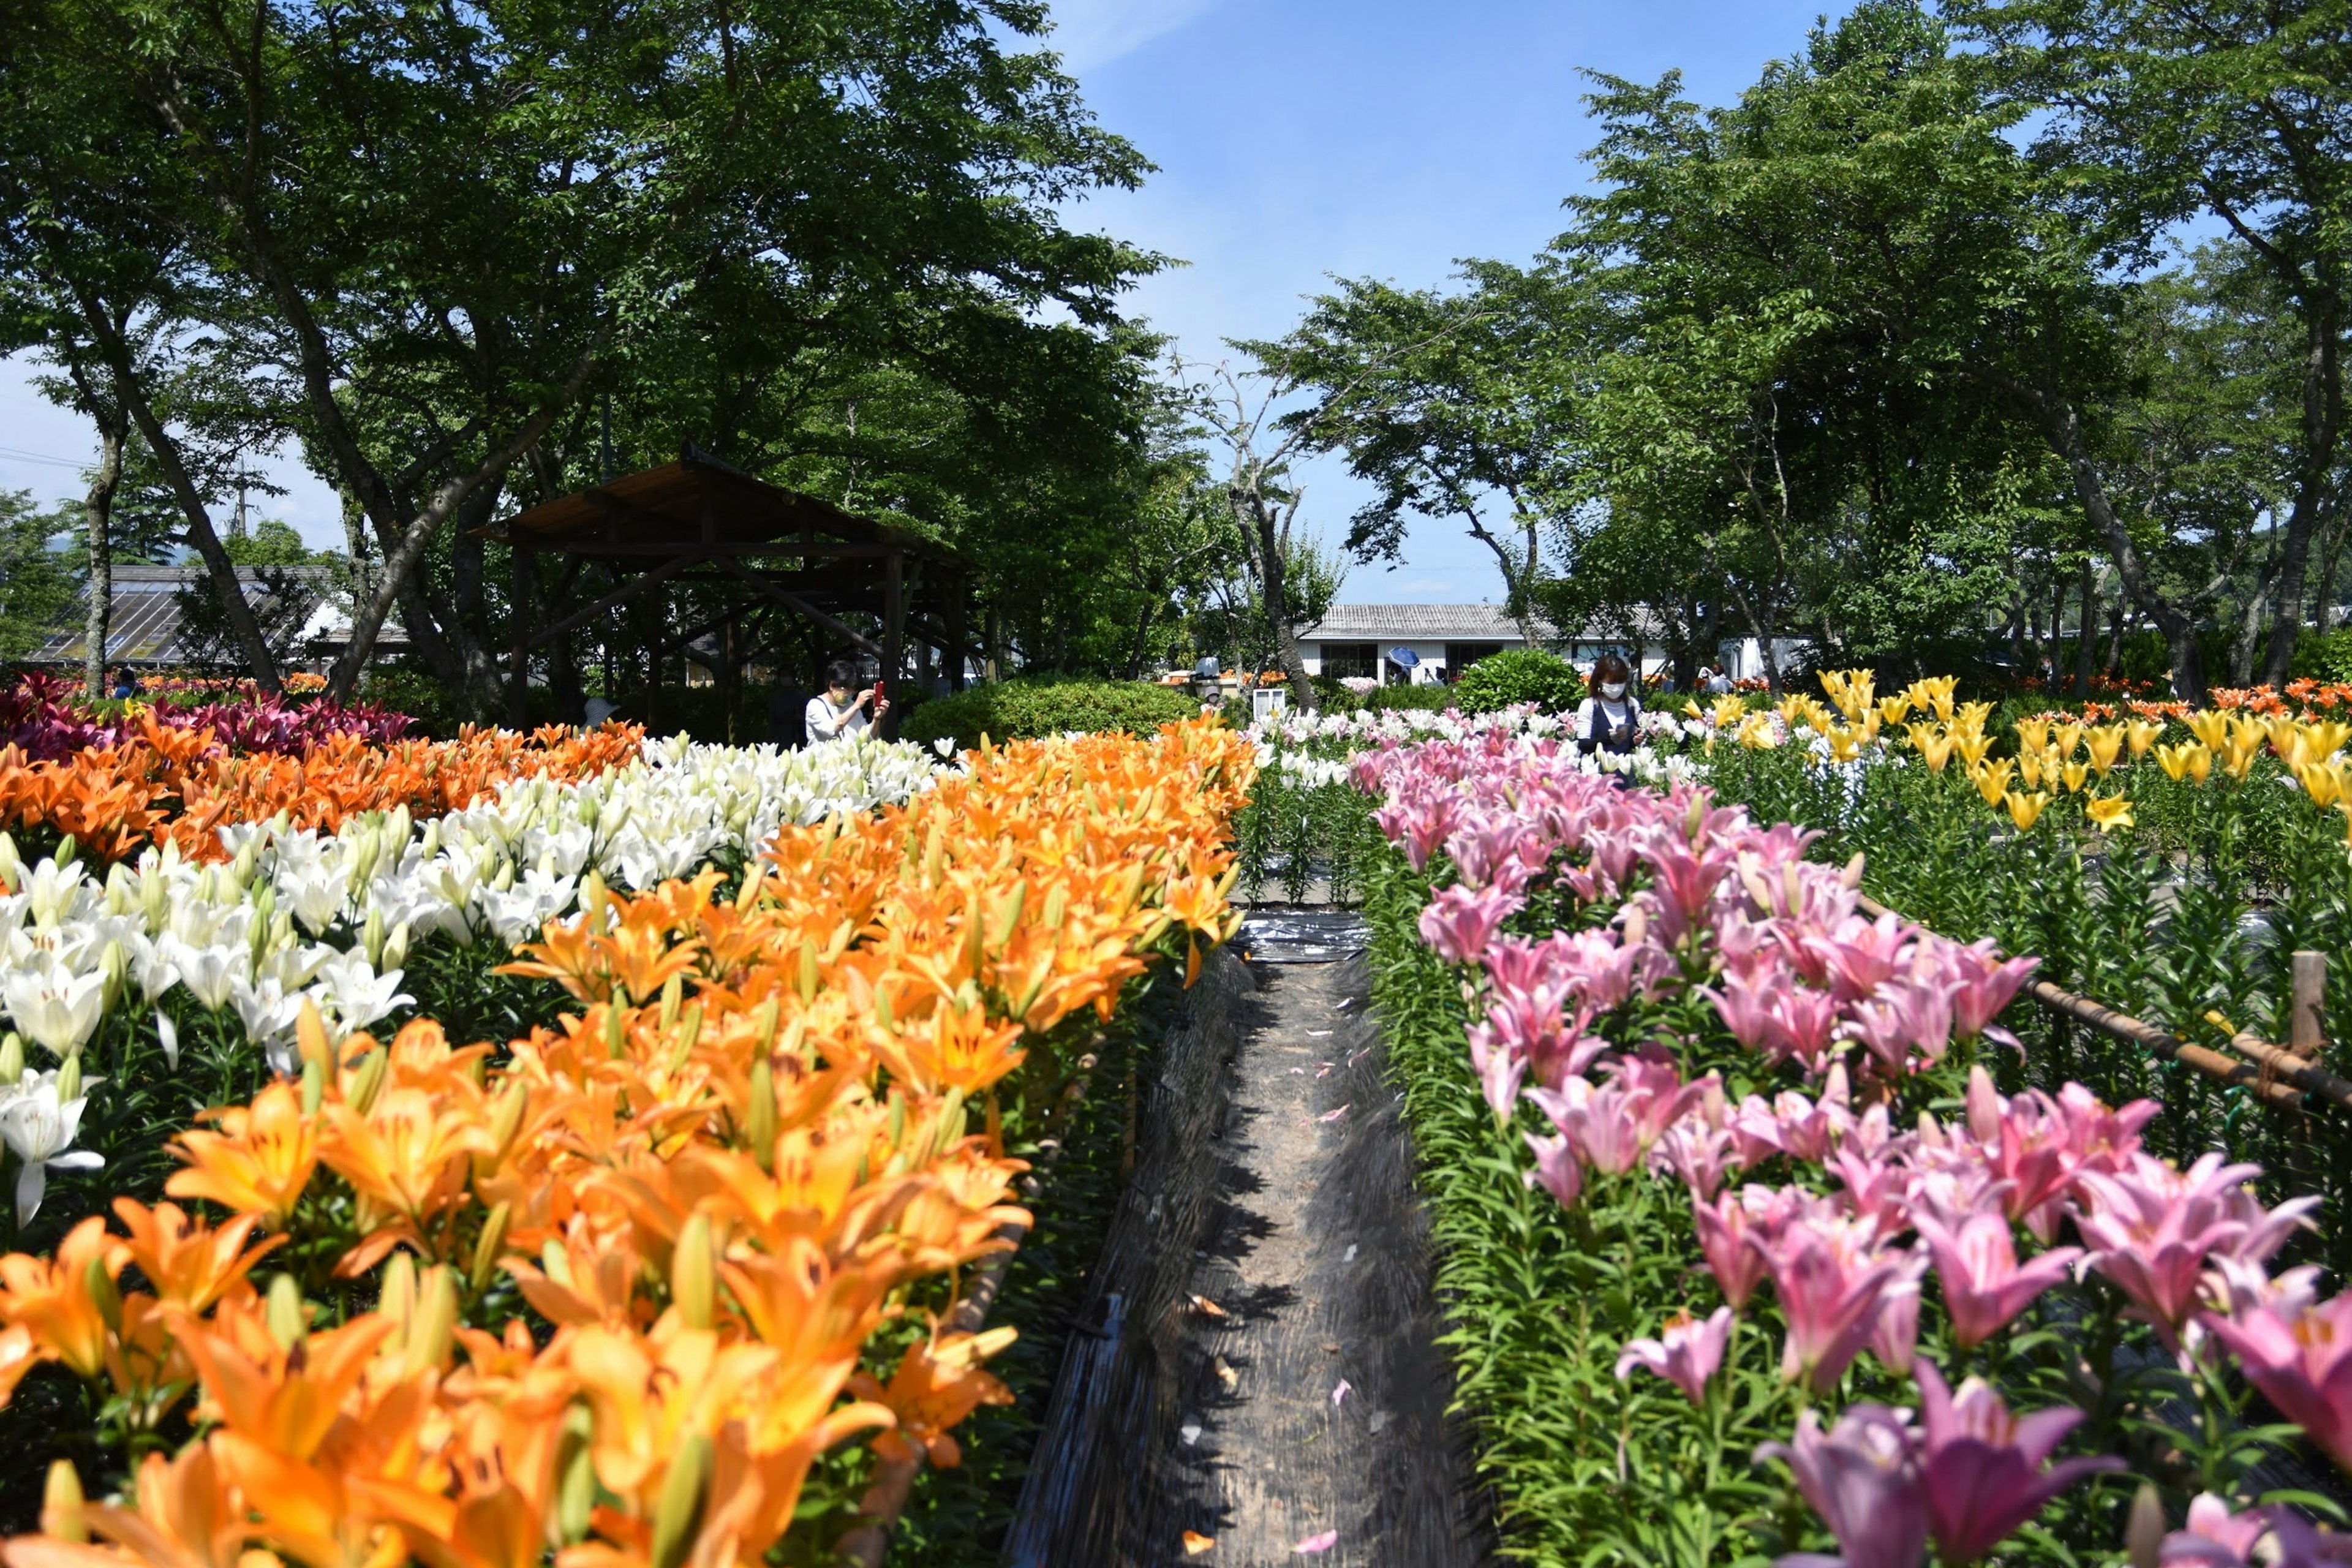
[1195, 1542]
[1341, 1392]
[1315, 1543]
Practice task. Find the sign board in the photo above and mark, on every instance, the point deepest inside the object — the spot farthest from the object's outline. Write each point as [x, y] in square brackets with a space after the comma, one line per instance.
[1266, 701]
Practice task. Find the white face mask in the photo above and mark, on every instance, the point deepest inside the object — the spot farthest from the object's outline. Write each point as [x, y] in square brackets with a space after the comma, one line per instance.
[1613, 690]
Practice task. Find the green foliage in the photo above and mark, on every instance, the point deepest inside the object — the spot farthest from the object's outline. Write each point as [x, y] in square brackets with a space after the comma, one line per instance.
[1519, 675]
[2324, 656]
[1030, 707]
[37, 582]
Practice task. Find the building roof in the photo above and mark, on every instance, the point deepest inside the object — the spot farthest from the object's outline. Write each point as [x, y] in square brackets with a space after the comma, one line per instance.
[1440, 622]
[701, 501]
[144, 627]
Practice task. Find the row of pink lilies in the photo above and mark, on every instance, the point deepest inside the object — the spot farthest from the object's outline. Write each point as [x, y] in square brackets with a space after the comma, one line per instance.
[1682, 900]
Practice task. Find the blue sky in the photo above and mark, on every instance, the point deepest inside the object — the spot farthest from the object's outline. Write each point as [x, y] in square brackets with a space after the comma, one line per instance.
[1296, 140]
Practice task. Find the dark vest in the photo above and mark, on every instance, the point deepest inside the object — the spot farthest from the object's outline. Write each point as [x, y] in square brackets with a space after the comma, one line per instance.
[1602, 736]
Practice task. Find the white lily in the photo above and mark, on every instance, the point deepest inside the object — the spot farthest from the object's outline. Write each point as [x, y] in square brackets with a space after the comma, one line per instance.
[56, 1008]
[41, 1131]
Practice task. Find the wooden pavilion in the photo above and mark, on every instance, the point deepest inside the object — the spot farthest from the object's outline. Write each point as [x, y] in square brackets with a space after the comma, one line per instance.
[751, 546]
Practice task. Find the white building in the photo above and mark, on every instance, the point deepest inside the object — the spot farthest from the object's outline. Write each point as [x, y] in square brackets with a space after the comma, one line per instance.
[1361, 639]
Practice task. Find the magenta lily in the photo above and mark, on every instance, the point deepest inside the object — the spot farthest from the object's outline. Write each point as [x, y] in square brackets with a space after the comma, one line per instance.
[1863, 1478]
[1980, 1467]
[1687, 1353]
[1460, 921]
[1984, 1285]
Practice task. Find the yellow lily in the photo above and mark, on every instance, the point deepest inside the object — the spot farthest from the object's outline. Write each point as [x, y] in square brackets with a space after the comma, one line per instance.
[2025, 810]
[2032, 734]
[2076, 775]
[1992, 779]
[2323, 783]
[2142, 734]
[2212, 728]
[2110, 812]
[2106, 744]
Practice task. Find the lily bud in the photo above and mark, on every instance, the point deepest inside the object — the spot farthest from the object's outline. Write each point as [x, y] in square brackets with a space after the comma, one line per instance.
[167, 1034]
[103, 1295]
[1004, 917]
[591, 902]
[679, 1518]
[372, 938]
[368, 1082]
[62, 1504]
[673, 993]
[575, 1473]
[2144, 1532]
[288, 1322]
[507, 1119]
[396, 950]
[1058, 903]
[241, 870]
[397, 1298]
[68, 1079]
[12, 1057]
[615, 1032]
[755, 882]
[694, 1273]
[690, 1035]
[759, 1116]
[11, 869]
[67, 852]
[1852, 875]
[435, 1327]
[314, 1086]
[555, 1262]
[808, 971]
[487, 1248]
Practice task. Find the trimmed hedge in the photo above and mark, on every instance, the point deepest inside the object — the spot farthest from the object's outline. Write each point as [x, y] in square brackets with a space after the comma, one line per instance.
[1519, 675]
[1030, 708]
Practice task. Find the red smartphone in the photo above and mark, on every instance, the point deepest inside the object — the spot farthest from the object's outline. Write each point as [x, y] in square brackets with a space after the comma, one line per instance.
[879, 684]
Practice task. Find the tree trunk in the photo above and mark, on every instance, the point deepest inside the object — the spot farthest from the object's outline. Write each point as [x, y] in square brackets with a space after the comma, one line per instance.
[98, 511]
[132, 398]
[2322, 419]
[2062, 428]
[1264, 528]
[2087, 639]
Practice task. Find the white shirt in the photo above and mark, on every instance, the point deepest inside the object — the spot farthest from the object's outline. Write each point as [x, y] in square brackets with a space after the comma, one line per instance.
[1612, 714]
[826, 724]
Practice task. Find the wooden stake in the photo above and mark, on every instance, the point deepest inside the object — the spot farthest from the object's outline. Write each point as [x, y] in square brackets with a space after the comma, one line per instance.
[2307, 1035]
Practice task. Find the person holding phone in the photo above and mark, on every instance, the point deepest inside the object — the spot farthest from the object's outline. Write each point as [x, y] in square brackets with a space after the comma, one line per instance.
[833, 713]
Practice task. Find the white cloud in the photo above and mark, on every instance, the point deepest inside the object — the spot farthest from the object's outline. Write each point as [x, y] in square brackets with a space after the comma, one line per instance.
[1089, 33]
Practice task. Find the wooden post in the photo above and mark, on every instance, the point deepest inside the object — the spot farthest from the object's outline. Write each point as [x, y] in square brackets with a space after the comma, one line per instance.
[2307, 1035]
[526, 596]
[959, 628]
[894, 632]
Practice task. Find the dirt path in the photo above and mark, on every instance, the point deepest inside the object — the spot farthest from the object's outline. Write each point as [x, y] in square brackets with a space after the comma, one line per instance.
[1264, 1373]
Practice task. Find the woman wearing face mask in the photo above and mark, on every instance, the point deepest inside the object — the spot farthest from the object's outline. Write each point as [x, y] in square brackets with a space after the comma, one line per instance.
[1611, 717]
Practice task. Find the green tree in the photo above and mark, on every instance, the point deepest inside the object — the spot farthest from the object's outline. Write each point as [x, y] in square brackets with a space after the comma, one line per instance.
[38, 579]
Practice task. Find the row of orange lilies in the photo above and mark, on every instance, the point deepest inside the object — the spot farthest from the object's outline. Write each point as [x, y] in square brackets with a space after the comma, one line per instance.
[725, 1184]
[167, 785]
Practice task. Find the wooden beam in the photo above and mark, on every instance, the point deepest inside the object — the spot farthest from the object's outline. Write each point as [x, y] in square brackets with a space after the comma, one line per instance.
[801, 606]
[618, 596]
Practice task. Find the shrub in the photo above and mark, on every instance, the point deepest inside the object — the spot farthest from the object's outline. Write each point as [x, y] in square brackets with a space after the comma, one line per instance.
[1032, 709]
[1518, 675]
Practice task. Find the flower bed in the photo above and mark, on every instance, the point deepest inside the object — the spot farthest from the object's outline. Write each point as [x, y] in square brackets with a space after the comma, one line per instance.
[619, 1287]
[2168, 868]
[46, 718]
[1305, 821]
[1731, 1181]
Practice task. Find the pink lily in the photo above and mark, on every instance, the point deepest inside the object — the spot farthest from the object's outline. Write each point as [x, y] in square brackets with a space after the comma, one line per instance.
[1687, 1353]
[1800, 1022]
[2302, 1361]
[1984, 1285]
[1863, 1478]
[1894, 1339]
[1500, 1069]
[2150, 1228]
[1460, 921]
[1830, 1278]
[1700, 1154]
[1980, 1467]
[1901, 1021]
[1981, 985]
[1557, 1170]
[1723, 1227]
[2276, 1536]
